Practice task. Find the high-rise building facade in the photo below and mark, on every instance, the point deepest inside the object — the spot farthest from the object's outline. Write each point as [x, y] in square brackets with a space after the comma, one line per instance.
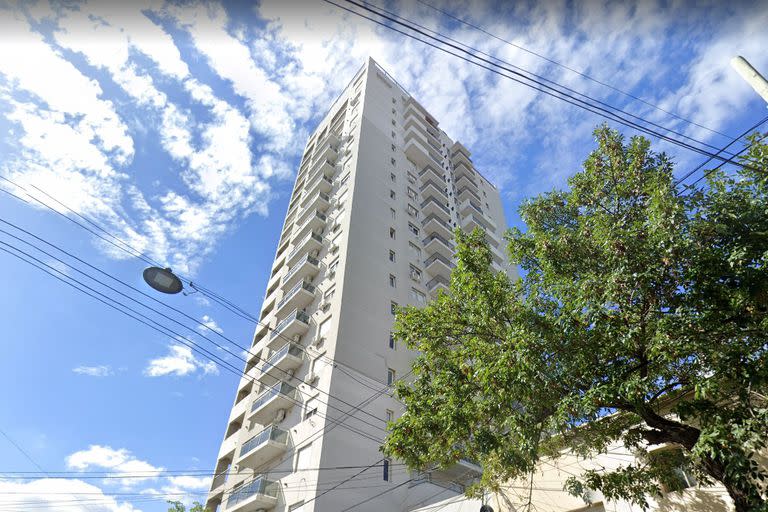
[369, 226]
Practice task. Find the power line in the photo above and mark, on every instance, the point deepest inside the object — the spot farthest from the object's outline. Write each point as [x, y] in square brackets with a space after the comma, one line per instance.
[580, 73]
[538, 77]
[163, 315]
[168, 332]
[377, 495]
[705, 162]
[227, 304]
[494, 68]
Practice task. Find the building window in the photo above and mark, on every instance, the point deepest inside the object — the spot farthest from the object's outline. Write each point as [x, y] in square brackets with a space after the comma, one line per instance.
[392, 233]
[412, 227]
[393, 135]
[393, 147]
[393, 307]
[344, 180]
[411, 178]
[392, 212]
[390, 415]
[390, 376]
[303, 458]
[394, 111]
[393, 161]
[415, 274]
[415, 251]
[418, 297]
[386, 475]
[682, 477]
[392, 194]
[310, 408]
[332, 267]
[411, 193]
[392, 177]
[392, 256]
[392, 343]
[393, 122]
[412, 211]
[392, 281]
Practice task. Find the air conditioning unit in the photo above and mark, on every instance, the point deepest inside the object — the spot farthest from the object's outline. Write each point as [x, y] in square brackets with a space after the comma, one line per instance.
[280, 415]
[416, 276]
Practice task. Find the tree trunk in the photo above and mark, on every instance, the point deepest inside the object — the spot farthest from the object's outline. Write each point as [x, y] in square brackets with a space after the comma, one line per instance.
[746, 498]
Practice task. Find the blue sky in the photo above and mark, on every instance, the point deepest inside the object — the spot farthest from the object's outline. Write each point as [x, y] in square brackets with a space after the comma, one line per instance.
[179, 129]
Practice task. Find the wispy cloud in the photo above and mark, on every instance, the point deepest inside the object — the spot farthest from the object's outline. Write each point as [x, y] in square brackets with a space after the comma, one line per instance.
[45, 495]
[210, 324]
[180, 362]
[94, 371]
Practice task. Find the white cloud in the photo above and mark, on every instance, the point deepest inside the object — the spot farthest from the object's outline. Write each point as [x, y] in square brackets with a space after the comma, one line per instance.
[119, 461]
[210, 324]
[58, 495]
[94, 371]
[180, 362]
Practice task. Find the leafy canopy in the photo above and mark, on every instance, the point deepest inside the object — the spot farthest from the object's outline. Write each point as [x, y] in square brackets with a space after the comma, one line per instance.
[640, 318]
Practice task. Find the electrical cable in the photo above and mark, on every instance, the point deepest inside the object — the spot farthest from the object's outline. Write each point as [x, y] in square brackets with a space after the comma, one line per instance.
[538, 77]
[494, 68]
[580, 73]
[705, 162]
[170, 333]
[208, 293]
[377, 495]
[158, 312]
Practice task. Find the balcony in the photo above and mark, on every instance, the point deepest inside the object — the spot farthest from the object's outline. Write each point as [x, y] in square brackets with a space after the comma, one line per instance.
[314, 220]
[432, 206]
[280, 396]
[434, 224]
[419, 151]
[465, 193]
[297, 322]
[310, 242]
[474, 218]
[463, 169]
[306, 267]
[323, 167]
[469, 206]
[430, 173]
[466, 181]
[432, 189]
[435, 243]
[318, 201]
[329, 152]
[280, 362]
[436, 284]
[439, 265]
[264, 446]
[459, 158]
[319, 183]
[260, 493]
[298, 297]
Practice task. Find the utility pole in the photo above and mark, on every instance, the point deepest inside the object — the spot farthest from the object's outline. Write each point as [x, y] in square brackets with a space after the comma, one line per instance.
[751, 76]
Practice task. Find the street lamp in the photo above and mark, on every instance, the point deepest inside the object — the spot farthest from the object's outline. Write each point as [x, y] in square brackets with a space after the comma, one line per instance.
[162, 280]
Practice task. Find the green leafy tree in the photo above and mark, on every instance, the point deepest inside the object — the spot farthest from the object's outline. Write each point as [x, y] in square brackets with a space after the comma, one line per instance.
[640, 318]
[177, 506]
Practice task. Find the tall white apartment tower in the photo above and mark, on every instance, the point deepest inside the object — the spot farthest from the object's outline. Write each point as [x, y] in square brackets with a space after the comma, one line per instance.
[369, 227]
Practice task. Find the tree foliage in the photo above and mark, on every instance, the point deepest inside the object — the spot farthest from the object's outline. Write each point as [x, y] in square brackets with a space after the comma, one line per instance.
[640, 318]
[177, 506]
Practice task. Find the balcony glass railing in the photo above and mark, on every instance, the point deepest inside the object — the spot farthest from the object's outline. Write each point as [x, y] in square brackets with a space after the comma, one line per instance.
[281, 388]
[438, 257]
[288, 348]
[295, 315]
[435, 236]
[437, 203]
[437, 281]
[299, 286]
[306, 259]
[301, 243]
[259, 485]
[268, 434]
[432, 217]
